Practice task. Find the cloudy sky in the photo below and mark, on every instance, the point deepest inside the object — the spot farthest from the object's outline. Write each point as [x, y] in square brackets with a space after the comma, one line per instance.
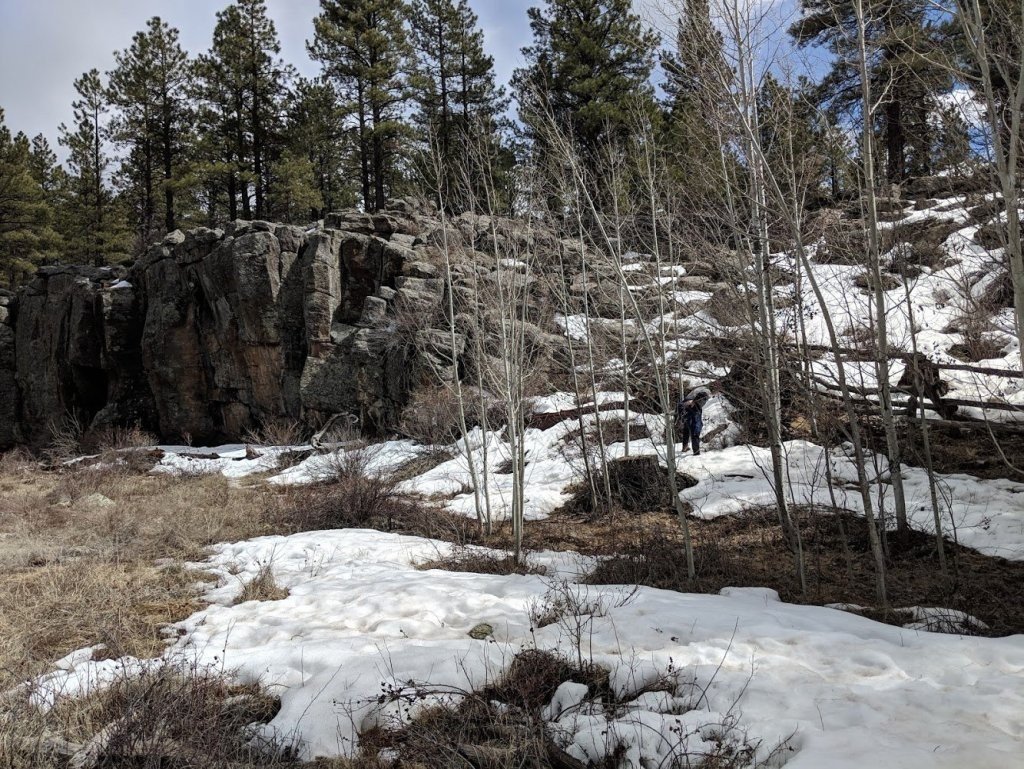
[46, 44]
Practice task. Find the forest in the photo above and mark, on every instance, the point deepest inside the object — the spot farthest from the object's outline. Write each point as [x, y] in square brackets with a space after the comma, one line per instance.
[407, 103]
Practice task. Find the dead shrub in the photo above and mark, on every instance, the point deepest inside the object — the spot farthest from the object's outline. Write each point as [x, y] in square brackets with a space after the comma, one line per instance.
[432, 417]
[980, 338]
[991, 236]
[113, 439]
[347, 495]
[638, 485]
[262, 587]
[654, 558]
[865, 281]
[65, 438]
[475, 560]
[499, 727]
[172, 715]
[534, 675]
[614, 430]
[277, 431]
[842, 242]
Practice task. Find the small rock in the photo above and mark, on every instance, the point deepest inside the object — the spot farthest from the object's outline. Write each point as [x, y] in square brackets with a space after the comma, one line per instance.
[420, 270]
[96, 501]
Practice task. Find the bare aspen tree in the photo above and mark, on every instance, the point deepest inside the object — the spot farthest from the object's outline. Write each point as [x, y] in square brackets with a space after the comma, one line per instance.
[482, 510]
[917, 378]
[784, 208]
[747, 215]
[508, 345]
[994, 37]
[650, 173]
[870, 192]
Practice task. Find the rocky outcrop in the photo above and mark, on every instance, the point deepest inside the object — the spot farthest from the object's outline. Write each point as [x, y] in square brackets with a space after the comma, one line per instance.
[9, 398]
[214, 332]
[76, 343]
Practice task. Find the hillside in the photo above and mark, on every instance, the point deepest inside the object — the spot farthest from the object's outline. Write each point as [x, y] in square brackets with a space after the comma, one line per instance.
[475, 562]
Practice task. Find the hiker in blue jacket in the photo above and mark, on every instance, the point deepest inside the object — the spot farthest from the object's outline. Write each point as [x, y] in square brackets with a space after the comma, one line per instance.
[690, 417]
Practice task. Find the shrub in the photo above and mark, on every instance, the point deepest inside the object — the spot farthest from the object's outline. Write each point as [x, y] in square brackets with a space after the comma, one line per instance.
[348, 494]
[169, 715]
[432, 417]
[277, 431]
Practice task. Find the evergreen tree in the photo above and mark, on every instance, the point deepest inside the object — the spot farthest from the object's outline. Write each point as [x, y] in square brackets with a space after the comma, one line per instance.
[149, 88]
[906, 51]
[25, 216]
[316, 131]
[45, 169]
[92, 226]
[792, 137]
[589, 65]
[457, 100]
[243, 84]
[296, 198]
[696, 79]
[363, 47]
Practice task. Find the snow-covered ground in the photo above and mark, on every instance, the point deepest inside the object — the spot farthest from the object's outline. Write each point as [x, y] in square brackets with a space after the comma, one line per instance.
[985, 514]
[834, 689]
[810, 687]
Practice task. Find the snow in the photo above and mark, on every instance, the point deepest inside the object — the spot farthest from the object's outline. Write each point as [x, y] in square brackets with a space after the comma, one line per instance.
[360, 620]
[987, 515]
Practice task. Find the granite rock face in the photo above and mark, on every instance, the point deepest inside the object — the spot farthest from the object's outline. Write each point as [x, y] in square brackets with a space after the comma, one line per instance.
[215, 332]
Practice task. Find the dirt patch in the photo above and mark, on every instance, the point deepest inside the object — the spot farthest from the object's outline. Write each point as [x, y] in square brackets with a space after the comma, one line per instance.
[750, 550]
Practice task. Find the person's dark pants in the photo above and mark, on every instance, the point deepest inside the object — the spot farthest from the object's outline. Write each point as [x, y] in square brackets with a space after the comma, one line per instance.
[692, 426]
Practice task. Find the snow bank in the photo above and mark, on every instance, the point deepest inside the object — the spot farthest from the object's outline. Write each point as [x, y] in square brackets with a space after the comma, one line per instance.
[839, 690]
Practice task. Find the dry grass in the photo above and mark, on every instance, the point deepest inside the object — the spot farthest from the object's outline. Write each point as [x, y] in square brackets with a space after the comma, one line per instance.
[93, 555]
[262, 587]
[475, 560]
[170, 716]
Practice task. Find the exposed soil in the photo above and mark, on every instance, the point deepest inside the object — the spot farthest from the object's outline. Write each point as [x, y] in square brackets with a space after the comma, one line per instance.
[749, 550]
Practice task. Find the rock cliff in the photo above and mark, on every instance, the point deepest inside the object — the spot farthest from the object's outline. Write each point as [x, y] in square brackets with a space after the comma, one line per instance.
[213, 332]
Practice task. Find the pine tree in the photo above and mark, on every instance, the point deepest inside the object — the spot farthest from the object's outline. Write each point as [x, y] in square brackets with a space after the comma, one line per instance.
[243, 84]
[696, 79]
[296, 198]
[905, 51]
[25, 216]
[589, 65]
[149, 88]
[457, 100]
[92, 226]
[316, 131]
[363, 47]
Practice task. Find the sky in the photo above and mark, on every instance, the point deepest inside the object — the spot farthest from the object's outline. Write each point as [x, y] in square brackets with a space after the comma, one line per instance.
[46, 44]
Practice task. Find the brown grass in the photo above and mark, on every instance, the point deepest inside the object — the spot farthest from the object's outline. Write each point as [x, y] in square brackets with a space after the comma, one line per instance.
[93, 555]
[170, 716]
[262, 587]
[480, 561]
